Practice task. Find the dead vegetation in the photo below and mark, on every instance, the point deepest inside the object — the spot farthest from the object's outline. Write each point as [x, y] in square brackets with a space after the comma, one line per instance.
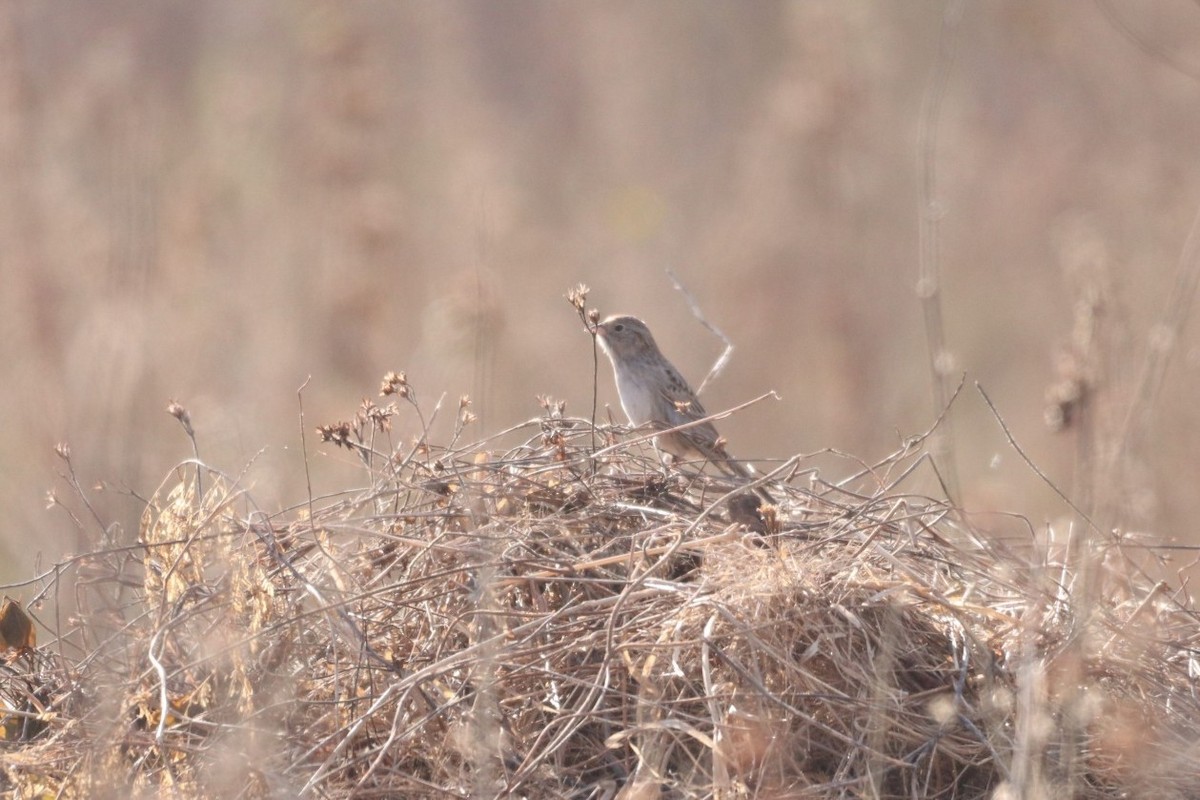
[565, 619]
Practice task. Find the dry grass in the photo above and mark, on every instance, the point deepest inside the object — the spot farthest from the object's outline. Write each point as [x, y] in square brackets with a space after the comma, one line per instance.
[563, 619]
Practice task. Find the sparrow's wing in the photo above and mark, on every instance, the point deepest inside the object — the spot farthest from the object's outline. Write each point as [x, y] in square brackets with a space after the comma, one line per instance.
[682, 405]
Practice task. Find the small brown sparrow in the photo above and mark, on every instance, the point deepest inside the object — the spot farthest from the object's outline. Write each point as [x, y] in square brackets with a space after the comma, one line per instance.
[653, 393]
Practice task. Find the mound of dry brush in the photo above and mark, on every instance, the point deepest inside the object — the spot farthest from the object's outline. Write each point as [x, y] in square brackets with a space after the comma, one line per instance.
[566, 618]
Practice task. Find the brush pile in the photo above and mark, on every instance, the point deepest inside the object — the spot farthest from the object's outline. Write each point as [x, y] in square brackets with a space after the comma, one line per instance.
[567, 619]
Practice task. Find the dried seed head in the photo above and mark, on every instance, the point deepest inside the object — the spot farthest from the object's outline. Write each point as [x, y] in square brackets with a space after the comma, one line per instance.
[379, 418]
[176, 410]
[338, 433]
[465, 415]
[395, 383]
[63, 451]
[554, 408]
[578, 296]
[1071, 393]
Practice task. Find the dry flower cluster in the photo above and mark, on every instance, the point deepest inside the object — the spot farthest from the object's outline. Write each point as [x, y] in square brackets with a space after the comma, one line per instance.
[564, 619]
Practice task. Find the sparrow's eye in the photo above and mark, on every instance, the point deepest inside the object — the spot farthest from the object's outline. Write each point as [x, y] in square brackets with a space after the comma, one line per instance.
[618, 328]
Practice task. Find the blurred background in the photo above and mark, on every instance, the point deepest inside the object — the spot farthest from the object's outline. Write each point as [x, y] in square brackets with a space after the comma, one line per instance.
[213, 201]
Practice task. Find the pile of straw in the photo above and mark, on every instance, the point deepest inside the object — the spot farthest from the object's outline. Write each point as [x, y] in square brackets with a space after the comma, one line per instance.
[568, 619]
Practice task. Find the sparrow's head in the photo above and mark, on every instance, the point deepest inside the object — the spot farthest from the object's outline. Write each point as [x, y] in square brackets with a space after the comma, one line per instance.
[625, 337]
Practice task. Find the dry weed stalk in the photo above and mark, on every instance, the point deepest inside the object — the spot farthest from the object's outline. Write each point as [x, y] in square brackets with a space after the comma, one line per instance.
[548, 622]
